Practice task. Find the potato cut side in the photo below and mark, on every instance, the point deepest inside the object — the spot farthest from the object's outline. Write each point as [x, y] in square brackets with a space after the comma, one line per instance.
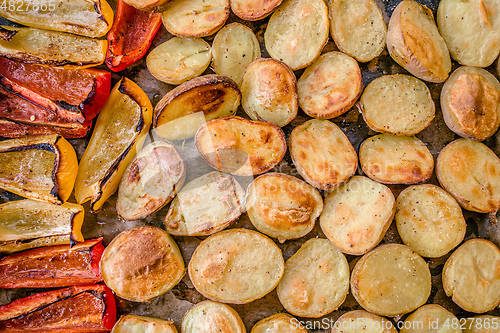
[282, 206]
[431, 318]
[393, 159]
[471, 276]
[357, 215]
[358, 28]
[414, 42]
[209, 316]
[205, 206]
[253, 10]
[316, 280]
[330, 86]
[142, 263]
[181, 112]
[397, 104]
[278, 323]
[471, 30]
[470, 172]
[297, 32]
[234, 48]
[322, 154]
[179, 59]
[391, 280]
[236, 266]
[429, 220]
[362, 321]
[195, 18]
[470, 100]
[268, 92]
[134, 324]
[150, 181]
[477, 324]
[239, 146]
[146, 5]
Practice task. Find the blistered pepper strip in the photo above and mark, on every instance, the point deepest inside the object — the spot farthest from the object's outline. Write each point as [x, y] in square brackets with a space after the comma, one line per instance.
[53, 266]
[130, 36]
[79, 309]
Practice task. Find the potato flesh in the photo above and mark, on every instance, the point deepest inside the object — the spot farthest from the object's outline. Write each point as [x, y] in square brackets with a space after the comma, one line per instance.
[141, 324]
[431, 317]
[278, 323]
[357, 215]
[362, 321]
[477, 324]
[297, 32]
[397, 104]
[209, 316]
[253, 9]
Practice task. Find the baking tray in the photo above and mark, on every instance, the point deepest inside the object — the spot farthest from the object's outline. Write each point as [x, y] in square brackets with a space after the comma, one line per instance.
[174, 304]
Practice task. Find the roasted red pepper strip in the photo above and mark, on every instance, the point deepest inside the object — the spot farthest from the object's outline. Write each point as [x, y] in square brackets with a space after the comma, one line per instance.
[80, 309]
[130, 36]
[53, 266]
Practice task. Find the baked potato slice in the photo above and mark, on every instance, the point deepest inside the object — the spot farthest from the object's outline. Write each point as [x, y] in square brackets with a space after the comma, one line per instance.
[393, 159]
[431, 318]
[253, 10]
[181, 112]
[471, 276]
[482, 324]
[414, 42]
[239, 146]
[397, 104]
[470, 101]
[268, 92]
[209, 316]
[391, 280]
[278, 323]
[362, 321]
[147, 5]
[236, 266]
[133, 324]
[206, 205]
[297, 32]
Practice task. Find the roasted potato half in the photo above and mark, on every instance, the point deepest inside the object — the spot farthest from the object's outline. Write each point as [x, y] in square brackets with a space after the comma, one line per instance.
[209, 316]
[470, 101]
[206, 205]
[362, 321]
[393, 159]
[282, 206]
[268, 92]
[429, 220]
[397, 104]
[431, 318]
[253, 10]
[181, 112]
[391, 280]
[146, 5]
[134, 324]
[234, 48]
[357, 215]
[142, 263]
[330, 86]
[278, 323]
[236, 266]
[471, 30]
[358, 28]
[470, 172]
[239, 146]
[195, 18]
[150, 181]
[288, 36]
[322, 154]
[179, 59]
[316, 280]
[414, 42]
[482, 324]
[471, 276]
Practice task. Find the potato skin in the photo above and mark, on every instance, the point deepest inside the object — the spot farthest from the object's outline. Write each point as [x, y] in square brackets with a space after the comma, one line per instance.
[253, 10]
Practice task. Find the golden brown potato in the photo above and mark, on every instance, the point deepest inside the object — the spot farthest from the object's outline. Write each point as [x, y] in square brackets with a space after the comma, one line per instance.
[181, 112]
[358, 28]
[282, 206]
[330, 86]
[268, 92]
[393, 159]
[471, 30]
[470, 172]
[209, 316]
[471, 276]
[429, 220]
[278, 323]
[135, 324]
[236, 266]
[414, 42]
[360, 321]
[397, 104]
[322, 154]
[205, 206]
[470, 100]
[289, 36]
[146, 4]
[482, 324]
[142, 263]
[431, 318]
[357, 215]
[150, 181]
[253, 10]
[316, 280]
[239, 146]
[391, 280]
